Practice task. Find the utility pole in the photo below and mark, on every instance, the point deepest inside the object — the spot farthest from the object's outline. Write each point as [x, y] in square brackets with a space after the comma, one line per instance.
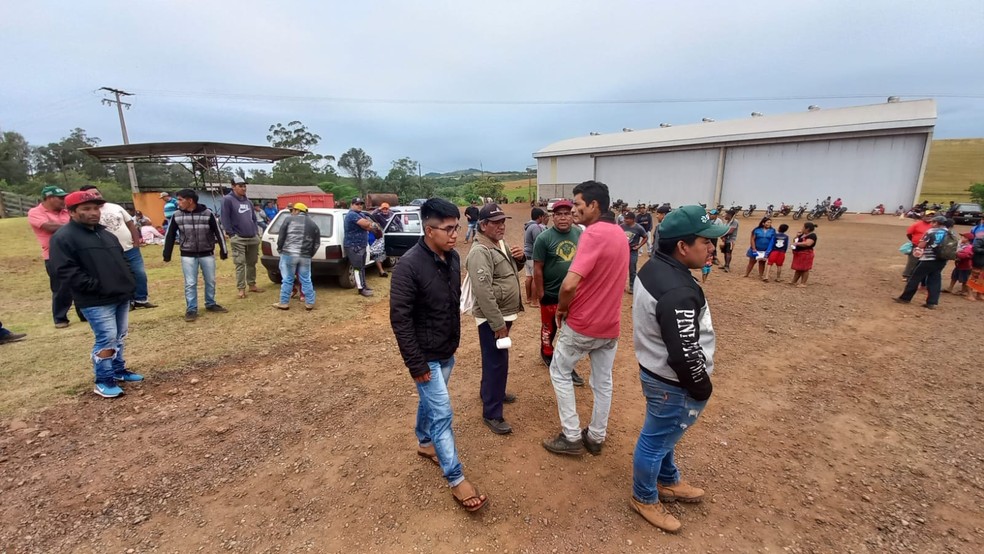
[126, 140]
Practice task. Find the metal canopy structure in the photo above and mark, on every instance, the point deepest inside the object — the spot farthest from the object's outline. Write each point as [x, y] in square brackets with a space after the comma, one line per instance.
[204, 159]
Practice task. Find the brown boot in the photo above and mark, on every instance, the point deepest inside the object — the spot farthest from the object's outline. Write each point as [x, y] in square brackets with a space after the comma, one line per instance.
[657, 515]
[681, 492]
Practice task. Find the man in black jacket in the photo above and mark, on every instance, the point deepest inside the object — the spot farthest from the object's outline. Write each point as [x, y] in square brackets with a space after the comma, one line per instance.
[674, 343]
[199, 233]
[297, 242]
[424, 314]
[90, 259]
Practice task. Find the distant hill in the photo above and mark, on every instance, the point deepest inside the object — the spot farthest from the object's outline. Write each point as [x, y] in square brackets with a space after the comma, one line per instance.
[471, 172]
[953, 165]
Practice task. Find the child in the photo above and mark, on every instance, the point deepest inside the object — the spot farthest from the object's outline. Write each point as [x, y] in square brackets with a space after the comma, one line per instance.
[706, 270]
[964, 264]
[778, 255]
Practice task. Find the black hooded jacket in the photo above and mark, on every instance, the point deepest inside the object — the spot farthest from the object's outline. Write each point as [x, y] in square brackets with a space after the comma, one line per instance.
[90, 260]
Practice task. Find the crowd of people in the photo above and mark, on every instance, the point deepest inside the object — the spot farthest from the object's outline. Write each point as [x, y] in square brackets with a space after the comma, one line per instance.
[577, 280]
[930, 244]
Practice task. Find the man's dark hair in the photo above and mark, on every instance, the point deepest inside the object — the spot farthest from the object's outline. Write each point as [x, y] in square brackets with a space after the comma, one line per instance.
[668, 246]
[88, 187]
[438, 208]
[783, 228]
[188, 193]
[810, 226]
[629, 215]
[537, 213]
[950, 223]
[594, 191]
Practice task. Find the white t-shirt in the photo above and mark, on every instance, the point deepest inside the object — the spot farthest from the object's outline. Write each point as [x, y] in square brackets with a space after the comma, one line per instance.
[114, 218]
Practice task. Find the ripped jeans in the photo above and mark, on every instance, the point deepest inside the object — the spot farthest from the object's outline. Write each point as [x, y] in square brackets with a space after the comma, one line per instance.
[670, 411]
[109, 323]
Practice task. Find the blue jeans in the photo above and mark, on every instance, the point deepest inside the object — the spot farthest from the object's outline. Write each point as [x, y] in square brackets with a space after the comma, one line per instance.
[670, 411]
[472, 229]
[109, 324]
[136, 261]
[189, 267]
[289, 264]
[633, 265]
[434, 419]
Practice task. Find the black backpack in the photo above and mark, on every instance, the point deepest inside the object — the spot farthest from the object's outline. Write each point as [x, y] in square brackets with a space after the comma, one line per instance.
[946, 249]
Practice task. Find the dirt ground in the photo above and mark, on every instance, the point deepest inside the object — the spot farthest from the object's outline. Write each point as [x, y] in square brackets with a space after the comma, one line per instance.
[840, 422]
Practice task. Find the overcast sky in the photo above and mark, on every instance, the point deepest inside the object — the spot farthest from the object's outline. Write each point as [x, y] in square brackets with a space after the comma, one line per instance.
[464, 84]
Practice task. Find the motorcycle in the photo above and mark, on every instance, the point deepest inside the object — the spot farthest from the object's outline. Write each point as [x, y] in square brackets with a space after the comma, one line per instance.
[785, 209]
[818, 211]
[879, 210]
[769, 211]
[749, 211]
[836, 213]
[799, 211]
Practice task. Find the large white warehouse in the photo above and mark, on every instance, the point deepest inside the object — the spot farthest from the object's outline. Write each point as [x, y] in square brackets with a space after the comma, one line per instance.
[866, 155]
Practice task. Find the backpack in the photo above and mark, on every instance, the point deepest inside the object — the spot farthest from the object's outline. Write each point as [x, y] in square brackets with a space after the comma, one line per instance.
[947, 247]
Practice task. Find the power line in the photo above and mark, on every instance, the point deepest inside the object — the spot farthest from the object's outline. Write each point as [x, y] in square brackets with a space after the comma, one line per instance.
[534, 102]
[126, 140]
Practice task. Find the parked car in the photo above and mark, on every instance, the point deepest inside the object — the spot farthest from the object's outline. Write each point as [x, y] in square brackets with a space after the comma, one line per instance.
[551, 202]
[966, 213]
[401, 232]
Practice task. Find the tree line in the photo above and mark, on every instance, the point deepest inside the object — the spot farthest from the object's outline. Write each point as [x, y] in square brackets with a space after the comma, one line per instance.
[26, 169]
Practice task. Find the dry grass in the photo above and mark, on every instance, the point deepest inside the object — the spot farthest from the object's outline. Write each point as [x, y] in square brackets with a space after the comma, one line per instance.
[53, 364]
[953, 166]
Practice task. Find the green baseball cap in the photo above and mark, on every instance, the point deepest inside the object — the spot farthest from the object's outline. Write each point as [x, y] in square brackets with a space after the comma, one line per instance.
[690, 220]
[52, 190]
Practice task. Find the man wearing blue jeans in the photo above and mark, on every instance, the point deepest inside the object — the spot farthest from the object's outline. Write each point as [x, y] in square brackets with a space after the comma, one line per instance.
[674, 344]
[297, 242]
[197, 230]
[90, 260]
[424, 300]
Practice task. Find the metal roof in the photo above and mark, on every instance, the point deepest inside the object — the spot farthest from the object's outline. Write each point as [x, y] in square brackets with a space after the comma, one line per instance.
[890, 115]
[268, 192]
[181, 151]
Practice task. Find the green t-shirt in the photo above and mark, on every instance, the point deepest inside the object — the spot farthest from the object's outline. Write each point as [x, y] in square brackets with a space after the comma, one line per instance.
[556, 250]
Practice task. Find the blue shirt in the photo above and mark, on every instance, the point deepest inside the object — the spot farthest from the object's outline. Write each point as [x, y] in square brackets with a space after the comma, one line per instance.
[271, 212]
[355, 236]
[764, 239]
[979, 228]
[781, 242]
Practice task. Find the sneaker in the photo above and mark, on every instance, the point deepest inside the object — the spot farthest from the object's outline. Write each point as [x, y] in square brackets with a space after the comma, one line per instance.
[509, 398]
[657, 515]
[900, 300]
[592, 446]
[929, 306]
[309, 307]
[365, 292]
[560, 445]
[498, 426]
[107, 390]
[280, 306]
[191, 315]
[680, 492]
[127, 376]
[61, 325]
[145, 304]
[6, 336]
[578, 380]
[216, 309]
[725, 269]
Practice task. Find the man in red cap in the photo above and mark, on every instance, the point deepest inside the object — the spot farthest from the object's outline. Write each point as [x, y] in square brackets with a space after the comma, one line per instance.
[89, 259]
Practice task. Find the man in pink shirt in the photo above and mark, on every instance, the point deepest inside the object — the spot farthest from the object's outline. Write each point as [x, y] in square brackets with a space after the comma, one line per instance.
[46, 218]
[589, 316]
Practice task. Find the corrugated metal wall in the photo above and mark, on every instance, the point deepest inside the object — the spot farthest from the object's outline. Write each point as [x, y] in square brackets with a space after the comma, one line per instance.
[684, 177]
[863, 172]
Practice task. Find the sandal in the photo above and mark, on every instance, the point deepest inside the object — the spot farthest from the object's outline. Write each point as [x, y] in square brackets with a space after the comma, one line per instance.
[477, 496]
[432, 456]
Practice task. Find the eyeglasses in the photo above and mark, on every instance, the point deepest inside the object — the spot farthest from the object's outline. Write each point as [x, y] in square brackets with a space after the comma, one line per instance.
[450, 229]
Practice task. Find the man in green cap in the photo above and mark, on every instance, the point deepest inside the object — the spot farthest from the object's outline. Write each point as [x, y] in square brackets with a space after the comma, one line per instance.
[46, 218]
[674, 344]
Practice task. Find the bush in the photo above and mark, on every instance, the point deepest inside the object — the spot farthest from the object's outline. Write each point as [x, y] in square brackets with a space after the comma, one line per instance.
[977, 193]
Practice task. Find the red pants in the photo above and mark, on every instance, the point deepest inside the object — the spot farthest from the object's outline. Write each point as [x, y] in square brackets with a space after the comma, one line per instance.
[548, 328]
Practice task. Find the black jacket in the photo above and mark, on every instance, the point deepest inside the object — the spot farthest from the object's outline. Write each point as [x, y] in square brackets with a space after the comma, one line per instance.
[200, 233]
[91, 261]
[300, 227]
[424, 306]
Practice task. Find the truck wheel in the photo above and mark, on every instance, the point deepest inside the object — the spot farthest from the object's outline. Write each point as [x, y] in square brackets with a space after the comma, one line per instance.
[275, 276]
[347, 279]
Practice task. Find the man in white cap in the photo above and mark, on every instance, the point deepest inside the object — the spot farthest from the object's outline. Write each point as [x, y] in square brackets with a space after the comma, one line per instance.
[239, 222]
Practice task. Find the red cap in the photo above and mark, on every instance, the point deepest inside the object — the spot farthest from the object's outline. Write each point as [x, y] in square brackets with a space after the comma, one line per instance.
[968, 235]
[563, 204]
[82, 197]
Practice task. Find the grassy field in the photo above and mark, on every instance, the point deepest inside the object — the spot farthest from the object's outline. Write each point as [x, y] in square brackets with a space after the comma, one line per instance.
[519, 188]
[953, 166]
[52, 364]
